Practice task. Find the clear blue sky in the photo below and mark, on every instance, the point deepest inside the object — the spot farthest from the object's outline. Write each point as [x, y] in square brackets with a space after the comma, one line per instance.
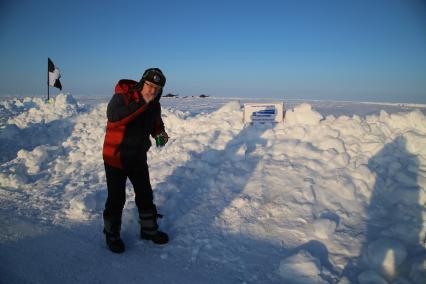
[369, 50]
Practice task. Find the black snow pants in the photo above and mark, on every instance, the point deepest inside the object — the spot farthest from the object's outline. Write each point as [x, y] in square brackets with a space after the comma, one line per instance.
[116, 183]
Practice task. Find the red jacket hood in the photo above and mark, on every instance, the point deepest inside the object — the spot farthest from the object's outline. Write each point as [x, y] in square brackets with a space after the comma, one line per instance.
[124, 85]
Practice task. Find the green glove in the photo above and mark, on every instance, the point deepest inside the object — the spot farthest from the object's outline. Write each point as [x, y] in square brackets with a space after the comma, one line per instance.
[161, 139]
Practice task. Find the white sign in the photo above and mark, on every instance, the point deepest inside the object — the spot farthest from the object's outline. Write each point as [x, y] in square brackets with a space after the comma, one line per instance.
[263, 112]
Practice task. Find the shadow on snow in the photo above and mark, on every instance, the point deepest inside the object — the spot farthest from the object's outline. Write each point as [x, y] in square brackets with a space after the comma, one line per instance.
[394, 212]
[197, 193]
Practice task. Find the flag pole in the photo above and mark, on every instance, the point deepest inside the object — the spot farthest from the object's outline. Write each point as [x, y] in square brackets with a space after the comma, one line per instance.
[48, 92]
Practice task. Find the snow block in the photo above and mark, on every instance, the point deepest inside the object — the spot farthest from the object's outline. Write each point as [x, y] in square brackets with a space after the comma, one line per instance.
[301, 268]
[386, 255]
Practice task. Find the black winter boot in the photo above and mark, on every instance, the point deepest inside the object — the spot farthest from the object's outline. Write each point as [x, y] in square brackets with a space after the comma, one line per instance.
[149, 227]
[112, 226]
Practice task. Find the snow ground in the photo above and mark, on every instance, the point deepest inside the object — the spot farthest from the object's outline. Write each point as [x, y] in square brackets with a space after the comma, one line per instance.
[336, 194]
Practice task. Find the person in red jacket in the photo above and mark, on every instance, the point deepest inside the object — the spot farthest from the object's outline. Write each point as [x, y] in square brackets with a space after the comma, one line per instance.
[134, 114]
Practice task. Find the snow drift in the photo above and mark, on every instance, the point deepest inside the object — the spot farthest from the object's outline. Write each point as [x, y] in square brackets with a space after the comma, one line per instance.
[334, 199]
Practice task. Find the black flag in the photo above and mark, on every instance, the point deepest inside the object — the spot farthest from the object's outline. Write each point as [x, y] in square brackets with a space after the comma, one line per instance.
[54, 75]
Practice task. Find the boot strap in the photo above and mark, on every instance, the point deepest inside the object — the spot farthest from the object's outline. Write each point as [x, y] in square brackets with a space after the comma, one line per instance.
[150, 229]
[150, 217]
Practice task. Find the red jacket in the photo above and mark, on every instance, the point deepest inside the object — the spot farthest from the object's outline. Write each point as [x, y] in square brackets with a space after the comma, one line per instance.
[130, 122]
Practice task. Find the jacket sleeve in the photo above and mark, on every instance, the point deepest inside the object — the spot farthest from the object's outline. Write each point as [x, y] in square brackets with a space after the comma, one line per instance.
[117, 108]
[118, 113]
[158, 123]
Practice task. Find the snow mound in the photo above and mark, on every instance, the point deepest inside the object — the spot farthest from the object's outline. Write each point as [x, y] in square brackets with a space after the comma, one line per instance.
[36, 110]
[33, 122]
[232, 107]
[230, 114]
[303, 114]
[33, 160]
